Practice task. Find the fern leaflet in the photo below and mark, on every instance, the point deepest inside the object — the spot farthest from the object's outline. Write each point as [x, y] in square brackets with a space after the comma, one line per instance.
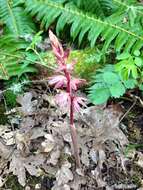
[111, 29]
[17, 22]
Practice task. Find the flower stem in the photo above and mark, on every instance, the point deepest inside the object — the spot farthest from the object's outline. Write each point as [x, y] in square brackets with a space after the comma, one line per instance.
[74, 135]
[72, 126]
[62, 56]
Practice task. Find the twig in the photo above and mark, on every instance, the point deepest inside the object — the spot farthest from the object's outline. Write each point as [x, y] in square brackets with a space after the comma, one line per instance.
[137, 98]
[26, 82]
[127, 111]
[36, 62]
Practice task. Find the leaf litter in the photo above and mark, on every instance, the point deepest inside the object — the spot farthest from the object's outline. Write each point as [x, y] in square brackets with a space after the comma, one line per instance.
[40, 145]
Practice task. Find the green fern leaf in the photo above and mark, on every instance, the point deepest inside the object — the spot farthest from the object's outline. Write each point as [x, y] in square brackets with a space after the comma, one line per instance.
[12, 58]
[101, 8]
[111, 29]
[15, 18]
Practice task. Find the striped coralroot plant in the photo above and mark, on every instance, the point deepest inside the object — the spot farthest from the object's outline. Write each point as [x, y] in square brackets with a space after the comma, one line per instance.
[63, 80]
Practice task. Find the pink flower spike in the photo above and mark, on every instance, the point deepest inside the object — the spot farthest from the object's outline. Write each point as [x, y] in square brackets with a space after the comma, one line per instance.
[69, 67]
[61, 68]
[78, 102]
[63, 99]
[75, 83]
[66, 54]
[58, 80]
[56, 46]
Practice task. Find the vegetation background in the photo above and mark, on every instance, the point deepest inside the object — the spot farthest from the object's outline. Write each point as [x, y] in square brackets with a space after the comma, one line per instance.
[106, 41]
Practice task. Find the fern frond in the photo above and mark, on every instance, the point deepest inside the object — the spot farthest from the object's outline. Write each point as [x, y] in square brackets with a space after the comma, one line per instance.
[111, 29]
[12, 58]
[100, 8]
[15, 18]
[133, 11]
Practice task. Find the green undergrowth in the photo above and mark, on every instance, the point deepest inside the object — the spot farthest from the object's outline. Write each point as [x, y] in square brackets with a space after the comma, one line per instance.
[13, 184]
[87, 61]
[3, 117]
[10, 98]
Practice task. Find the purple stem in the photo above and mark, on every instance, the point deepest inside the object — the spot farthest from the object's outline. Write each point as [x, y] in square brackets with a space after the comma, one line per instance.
[72, 126]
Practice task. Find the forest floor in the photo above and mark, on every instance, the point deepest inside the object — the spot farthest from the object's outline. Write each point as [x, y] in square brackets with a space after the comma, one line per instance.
[36, 148]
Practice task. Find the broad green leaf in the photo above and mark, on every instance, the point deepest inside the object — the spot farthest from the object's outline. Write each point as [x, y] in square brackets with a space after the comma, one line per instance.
[130, 83]
[136, 52]
[141, 87]
[117, 90]
[110, 77]
[139, 61]
[122, 56]
[99, 96]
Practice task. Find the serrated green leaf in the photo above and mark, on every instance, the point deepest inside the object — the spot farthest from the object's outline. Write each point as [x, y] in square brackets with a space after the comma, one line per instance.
[110, 78]
[117, 90]
[107, 83]
[136, 52]
[99, 96]
[130, 83]
[123, 56]
[141, 87]
[139, 61]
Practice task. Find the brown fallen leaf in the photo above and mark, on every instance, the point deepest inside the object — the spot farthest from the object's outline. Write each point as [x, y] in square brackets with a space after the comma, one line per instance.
[19, 165]
[84, 155]
[77, 182]
[26, 103]
[5, 151]
[140, 160]
[54, 156]
[62, 187]
[104, 124]
[49, 143]
[63, 175]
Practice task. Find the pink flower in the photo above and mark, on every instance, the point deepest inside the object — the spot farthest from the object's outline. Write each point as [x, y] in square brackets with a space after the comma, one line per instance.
[58, 81]
[70, 66]
[75, 83]
[63, 99]
[67, 100]
[78, 102]
[56, 46]
[66, 54]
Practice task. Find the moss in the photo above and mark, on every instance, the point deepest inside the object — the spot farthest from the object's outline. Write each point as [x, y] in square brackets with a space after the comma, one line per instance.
[12, 183]
[10, 98]
[3, 117]
[135, 134]
[32, 181]
[45, 182]
[87, 61]
[137, 180]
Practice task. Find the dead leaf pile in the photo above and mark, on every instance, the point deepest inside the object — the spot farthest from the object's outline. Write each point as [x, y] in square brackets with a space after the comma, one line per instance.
[40, 144]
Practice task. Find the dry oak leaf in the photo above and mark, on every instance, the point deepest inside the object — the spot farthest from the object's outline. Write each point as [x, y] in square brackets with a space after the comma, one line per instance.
[140, 160]
[62, 187]
[102, 122]
[49, 143]
[26, 103]
[64, 175]
[54, 156]
[19, 165]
